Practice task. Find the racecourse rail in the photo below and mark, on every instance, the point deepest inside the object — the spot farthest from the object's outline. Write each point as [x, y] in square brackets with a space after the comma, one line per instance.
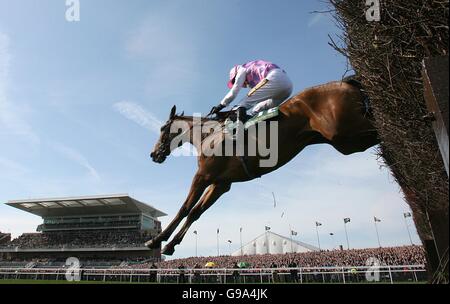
[300, 275]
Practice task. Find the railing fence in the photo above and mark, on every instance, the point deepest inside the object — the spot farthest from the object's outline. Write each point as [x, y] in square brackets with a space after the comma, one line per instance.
[301, 275]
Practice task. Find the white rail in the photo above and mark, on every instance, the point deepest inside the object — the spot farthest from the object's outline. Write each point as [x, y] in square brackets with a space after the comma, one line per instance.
[386, 274]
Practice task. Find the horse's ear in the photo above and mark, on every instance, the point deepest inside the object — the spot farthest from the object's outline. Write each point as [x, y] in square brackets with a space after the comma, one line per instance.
[182, 113]
[173, 111]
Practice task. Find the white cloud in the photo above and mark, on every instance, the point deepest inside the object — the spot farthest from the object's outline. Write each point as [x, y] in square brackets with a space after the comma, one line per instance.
[147, 120]
[315, 19]
[139, 115]
[11, 115]
[78, 158]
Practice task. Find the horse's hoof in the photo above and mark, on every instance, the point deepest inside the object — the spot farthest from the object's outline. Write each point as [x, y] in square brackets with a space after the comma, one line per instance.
[168, 250]
[153, 244]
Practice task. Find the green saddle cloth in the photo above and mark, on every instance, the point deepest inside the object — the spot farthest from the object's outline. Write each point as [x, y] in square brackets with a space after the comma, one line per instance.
[261, 116]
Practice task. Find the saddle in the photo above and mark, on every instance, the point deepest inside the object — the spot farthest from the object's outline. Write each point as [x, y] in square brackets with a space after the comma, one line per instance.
[230, 126]
[229, 118]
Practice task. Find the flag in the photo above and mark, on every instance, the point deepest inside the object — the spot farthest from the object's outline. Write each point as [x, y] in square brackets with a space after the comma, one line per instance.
[407, 214]
[318, 224]
[217, 230]
[267, 228]
[376, 219]
[294, 232]
[346, 220]
[195, 232]
[229, 241]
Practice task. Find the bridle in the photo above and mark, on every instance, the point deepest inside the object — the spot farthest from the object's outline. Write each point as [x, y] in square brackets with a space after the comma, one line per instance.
[164, 147]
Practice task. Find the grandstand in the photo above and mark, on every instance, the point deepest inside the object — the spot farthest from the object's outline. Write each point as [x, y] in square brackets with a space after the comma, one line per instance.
[91, 228]
[4, 238]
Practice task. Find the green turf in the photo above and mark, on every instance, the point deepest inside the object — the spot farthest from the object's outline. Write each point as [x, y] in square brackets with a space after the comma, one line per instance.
[55, 282]
[62, 282]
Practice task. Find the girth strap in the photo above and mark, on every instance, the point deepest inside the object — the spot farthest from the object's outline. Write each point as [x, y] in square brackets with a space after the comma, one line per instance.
[243, 161]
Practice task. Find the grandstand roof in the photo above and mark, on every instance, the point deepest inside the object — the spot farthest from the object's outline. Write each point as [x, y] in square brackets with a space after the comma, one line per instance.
[85, 205]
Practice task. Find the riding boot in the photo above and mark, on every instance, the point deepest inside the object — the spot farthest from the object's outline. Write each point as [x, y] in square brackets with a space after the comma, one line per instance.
[241, 115]
[241, 119]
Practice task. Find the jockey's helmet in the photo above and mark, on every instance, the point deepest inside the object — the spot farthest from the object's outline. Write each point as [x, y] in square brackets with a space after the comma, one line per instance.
[233, 74]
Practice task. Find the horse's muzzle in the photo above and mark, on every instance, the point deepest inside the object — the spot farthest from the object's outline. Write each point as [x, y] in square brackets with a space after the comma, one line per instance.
[157, 157]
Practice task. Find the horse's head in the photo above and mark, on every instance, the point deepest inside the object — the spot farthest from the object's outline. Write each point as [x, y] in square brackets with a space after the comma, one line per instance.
[162, 148]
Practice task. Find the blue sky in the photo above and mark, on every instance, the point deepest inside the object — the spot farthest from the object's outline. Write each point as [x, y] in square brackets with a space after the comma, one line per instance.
[81, 104]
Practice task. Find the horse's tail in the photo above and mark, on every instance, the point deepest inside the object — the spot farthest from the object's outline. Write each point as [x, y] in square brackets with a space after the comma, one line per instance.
[354, 81]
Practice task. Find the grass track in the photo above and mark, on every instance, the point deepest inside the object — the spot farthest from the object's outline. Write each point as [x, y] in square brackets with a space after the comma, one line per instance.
[54, 282]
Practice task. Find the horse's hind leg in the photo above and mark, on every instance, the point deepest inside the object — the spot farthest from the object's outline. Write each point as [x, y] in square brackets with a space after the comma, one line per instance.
[198, 186]
[213, 193]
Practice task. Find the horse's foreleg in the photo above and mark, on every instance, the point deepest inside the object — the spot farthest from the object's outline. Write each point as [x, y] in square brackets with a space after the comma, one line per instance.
[213, 193]
[197, 188]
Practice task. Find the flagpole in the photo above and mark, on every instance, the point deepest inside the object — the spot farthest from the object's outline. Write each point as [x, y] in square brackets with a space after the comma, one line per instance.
[407, 228]
[196, 244]
[290, 238]
[346, 235]
[318, 239]
[240, 237]
[378, 235]
[218, 252]
[333, 240]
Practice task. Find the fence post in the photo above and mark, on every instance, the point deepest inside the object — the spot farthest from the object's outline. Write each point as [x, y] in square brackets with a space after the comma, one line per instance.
[390, 275]
[415, 275]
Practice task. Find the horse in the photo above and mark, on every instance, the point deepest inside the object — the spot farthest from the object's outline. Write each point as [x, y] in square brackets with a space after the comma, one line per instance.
[334, 113]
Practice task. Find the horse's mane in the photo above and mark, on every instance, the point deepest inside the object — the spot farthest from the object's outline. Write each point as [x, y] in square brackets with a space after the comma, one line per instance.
[202, 120]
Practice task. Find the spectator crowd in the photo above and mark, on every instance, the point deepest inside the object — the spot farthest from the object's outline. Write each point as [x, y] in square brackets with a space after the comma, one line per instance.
[80, 239]
[390, 256]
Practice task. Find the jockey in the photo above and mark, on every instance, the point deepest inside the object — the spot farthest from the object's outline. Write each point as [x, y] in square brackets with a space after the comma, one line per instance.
[269, 87]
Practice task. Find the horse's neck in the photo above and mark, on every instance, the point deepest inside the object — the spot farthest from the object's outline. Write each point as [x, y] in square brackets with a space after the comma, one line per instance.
[195, 136]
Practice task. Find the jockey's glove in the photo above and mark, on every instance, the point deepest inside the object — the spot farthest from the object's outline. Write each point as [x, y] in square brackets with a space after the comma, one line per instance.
[216, 109]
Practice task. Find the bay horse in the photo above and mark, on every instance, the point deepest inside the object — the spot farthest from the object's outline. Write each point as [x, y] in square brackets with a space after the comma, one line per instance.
[334, 113]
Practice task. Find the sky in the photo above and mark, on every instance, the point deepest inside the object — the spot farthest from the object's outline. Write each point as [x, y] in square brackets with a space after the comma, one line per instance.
[81, 104]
